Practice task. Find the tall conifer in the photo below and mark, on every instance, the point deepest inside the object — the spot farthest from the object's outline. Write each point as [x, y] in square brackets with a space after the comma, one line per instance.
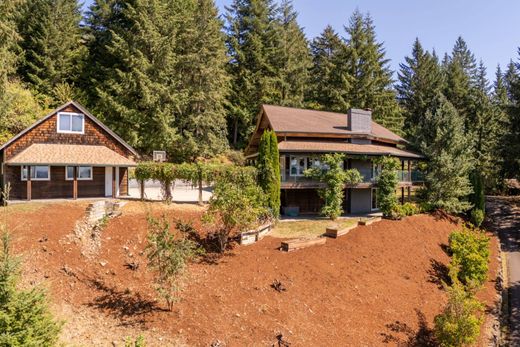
[372, 85]
[52, 44]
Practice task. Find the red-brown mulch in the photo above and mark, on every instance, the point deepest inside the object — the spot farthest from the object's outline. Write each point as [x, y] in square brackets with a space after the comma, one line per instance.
[378, 285]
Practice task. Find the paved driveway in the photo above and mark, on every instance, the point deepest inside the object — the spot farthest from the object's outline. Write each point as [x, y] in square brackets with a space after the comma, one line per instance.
[504, 215]
[182, 191]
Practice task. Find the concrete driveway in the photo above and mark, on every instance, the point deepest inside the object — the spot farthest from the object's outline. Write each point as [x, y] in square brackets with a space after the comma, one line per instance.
[504, 215]
[182, 191]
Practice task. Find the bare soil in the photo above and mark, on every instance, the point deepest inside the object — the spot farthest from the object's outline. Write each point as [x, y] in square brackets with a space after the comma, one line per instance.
[378, 285]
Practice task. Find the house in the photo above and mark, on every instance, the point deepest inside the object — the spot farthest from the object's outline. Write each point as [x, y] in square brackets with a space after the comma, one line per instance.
[67, 154]
[304, 135]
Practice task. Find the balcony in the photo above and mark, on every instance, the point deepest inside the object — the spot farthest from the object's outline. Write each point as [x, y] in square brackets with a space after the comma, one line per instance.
[369, 178]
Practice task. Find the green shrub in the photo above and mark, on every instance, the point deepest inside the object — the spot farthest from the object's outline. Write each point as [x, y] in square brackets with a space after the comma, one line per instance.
[407, 209]
[477, 217]
[470, 254]
[459, 324]
[168, 256]
[386, 185]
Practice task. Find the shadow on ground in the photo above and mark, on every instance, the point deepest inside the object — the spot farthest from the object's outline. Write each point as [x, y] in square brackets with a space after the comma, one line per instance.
[405, 336]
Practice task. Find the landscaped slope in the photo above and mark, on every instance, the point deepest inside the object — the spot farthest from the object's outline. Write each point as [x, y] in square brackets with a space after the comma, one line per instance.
[378, 285]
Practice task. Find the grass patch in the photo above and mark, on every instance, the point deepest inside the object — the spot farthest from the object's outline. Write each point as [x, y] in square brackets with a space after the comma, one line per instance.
[307, 228]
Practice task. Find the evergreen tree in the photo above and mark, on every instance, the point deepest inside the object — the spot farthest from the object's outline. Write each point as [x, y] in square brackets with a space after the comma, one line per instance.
[25, 319]
[372, 77]
[292, 58]
[52, 44]
[449, 157]
[268, 165]
[201, 52]
[420, 80]
[512, 137]
[251, 41]
[329, 82]
[162, 81]
[8, 41]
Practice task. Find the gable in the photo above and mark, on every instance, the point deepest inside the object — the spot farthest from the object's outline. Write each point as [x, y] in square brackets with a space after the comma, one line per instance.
[45, 131]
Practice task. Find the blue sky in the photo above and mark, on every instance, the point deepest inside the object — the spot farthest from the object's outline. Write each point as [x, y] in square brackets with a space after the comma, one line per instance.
[488, 26]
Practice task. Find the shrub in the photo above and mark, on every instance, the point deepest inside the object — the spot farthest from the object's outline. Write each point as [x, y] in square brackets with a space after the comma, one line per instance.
[168, 256]
[236, 205]
[386, 185]
[268, 165]
[470, 254]
[477, 217]
[335, 177]
[407, 209]
[459, 324]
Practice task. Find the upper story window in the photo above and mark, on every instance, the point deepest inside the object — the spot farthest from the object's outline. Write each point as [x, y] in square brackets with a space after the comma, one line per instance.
[71, 123]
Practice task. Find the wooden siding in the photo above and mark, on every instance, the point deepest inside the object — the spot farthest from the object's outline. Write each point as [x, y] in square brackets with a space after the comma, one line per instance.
[94, 188]
[123, 181]
[46, 132]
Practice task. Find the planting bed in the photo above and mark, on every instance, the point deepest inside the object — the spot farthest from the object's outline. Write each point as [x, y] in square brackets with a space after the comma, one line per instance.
[377, 288]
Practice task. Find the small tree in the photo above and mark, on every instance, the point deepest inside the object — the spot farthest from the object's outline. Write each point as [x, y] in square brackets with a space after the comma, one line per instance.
[335, 178]
[268, 165]
[459, 324]
[25, 318]
[168, 256]
[470, 249]
[236, 205]
[387, 184]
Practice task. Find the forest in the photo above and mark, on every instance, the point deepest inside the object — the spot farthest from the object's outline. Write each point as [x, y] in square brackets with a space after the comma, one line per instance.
[180, 76]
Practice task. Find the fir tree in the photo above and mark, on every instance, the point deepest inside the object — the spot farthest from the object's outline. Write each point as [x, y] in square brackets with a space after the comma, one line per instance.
[201, 52]
[449, 157]
[420, 80]
[372, 77]
[251, 41]
[52, 44]
[162, 82]
[9, 39]
[329, 82]
[512, 137]
[292, 58]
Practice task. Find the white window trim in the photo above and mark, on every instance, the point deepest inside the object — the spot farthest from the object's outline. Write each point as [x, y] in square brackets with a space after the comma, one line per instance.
[70, 131]
[372, 192]
[35, 179]
[67, 178]
[298, 157]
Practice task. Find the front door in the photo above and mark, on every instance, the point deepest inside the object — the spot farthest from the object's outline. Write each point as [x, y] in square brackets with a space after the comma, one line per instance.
[108, 181]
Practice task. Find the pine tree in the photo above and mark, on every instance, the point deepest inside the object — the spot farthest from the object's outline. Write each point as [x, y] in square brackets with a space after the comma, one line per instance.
[52, 44]
[449, 157]
[251, 41]
[372, 77]
[292, 58]
[420, 80]
[329, 82]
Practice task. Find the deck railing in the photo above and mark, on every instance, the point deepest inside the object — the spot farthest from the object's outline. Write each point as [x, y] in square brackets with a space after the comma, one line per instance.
[368, 176]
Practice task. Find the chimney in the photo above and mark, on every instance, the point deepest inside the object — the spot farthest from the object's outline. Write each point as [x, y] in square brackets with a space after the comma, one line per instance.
[359, 121]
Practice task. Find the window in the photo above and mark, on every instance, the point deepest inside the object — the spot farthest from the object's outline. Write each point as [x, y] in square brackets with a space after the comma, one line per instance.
[38, 173]
[84, 173]
[298, 166]
[375, 205]
[71, 123]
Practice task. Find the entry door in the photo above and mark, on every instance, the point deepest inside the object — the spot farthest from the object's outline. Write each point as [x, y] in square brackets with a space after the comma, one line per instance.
[108, 181]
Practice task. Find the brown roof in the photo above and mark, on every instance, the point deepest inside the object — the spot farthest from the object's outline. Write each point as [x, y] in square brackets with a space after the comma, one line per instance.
[343, 147]
[295, 120]
[85, 112]
[57, 154]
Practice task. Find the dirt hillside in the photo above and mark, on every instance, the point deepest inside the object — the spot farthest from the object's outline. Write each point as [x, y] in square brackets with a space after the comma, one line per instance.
[378, 285]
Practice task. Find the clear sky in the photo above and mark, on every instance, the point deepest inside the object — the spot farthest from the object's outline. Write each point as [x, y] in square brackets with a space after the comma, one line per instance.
[490, 27]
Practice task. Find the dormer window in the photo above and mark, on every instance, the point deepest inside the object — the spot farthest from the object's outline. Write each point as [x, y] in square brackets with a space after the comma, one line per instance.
[71, 123]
